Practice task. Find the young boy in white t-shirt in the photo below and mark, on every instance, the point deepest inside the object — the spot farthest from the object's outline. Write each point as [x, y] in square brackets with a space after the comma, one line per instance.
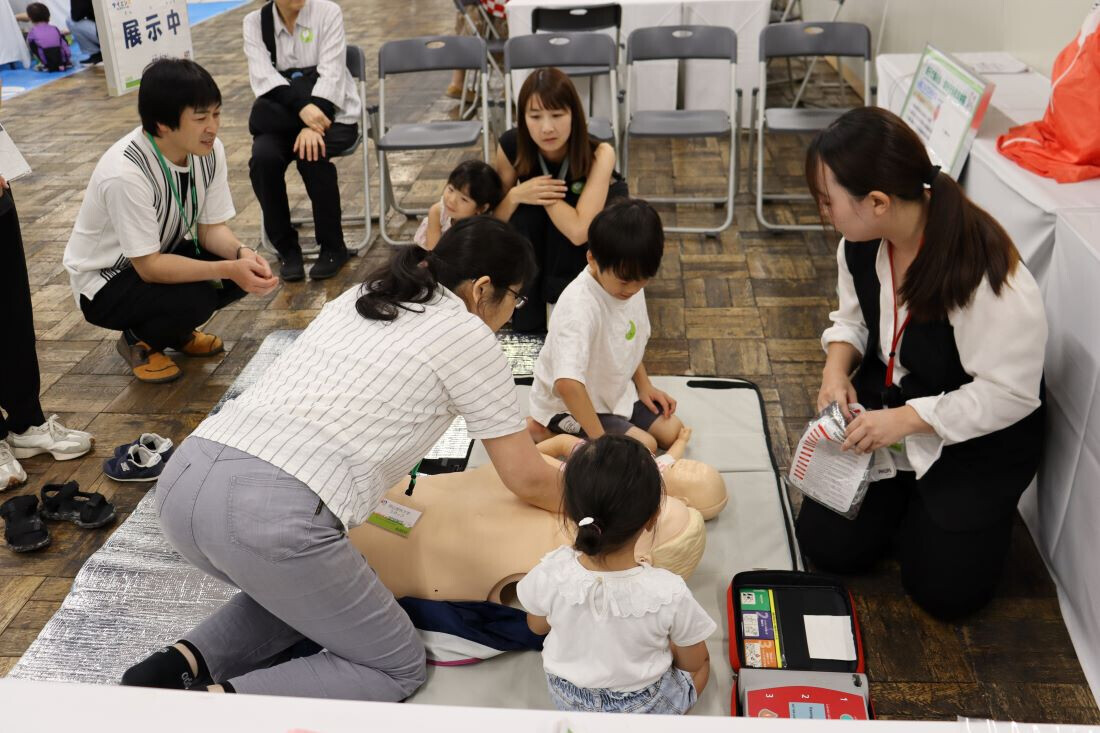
[589, 377]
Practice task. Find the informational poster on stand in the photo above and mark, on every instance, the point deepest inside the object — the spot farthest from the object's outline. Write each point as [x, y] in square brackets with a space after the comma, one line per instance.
[945, 106]
[134, 32]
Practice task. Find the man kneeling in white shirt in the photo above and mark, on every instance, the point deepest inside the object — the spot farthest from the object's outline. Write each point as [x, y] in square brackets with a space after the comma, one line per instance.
[151, 254]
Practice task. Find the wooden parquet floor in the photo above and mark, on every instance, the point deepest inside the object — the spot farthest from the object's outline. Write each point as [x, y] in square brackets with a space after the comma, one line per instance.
[748, 304]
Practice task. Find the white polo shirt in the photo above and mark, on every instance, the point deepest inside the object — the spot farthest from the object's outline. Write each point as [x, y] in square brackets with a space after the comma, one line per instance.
[354, 403]
[318, 40]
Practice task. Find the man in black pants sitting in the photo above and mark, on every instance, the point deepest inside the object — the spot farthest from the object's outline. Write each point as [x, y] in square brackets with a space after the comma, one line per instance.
[307, 109]
[150, 254]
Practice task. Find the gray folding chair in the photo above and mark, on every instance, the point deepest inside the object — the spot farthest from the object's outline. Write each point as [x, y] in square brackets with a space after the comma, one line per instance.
[357, 65]
[687, 42]
[566, 51]
[494, 45]
[426, 53]
[782, 40]
[581, 19]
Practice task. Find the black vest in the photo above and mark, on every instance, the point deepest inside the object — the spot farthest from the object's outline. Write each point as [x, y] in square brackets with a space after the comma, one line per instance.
[972, 483]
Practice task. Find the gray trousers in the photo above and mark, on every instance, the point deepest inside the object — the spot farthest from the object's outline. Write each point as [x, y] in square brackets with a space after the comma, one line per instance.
[252, 525]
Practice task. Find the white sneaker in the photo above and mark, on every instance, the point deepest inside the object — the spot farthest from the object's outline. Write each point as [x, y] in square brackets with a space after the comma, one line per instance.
[51, 437]
[11, 473]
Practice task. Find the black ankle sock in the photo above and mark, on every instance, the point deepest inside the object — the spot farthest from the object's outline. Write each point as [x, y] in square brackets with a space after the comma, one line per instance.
[166, 668]
[130, 337]
[227, 687]
[204, 671]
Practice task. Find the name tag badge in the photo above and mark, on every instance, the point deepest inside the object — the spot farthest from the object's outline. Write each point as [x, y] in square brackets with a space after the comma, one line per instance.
[394, 517]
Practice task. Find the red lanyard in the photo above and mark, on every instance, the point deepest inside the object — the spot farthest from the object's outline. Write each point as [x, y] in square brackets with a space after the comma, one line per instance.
[897, 331]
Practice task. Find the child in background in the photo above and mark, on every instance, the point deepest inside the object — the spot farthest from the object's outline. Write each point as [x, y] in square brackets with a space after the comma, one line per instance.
[623, 637]
[472, 188]
[589, 377]
[48, 46]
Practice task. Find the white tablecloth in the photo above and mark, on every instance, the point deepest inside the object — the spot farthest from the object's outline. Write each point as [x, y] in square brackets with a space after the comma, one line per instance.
[12, 45]
[1064, 513]
[706, 85]
[1024, 203]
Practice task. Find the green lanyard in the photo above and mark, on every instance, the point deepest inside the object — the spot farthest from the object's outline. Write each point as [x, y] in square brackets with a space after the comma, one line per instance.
[412, 477]
[176, 194]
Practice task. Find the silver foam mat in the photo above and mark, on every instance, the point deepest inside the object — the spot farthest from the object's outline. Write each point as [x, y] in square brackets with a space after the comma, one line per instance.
[136, 594]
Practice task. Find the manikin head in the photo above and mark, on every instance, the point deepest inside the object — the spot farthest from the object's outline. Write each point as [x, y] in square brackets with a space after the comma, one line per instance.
[698, 484]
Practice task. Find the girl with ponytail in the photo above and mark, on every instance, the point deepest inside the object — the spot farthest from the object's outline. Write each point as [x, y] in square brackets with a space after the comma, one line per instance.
[623, 636]
[940, 333]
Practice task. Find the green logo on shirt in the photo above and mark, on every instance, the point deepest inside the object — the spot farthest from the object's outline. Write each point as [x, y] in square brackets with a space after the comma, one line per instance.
[577, 187]
[631, 332]
[306, 35]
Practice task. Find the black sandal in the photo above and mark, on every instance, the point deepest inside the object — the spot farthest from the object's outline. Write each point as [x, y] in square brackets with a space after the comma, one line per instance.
[67, 502]
[24, 530]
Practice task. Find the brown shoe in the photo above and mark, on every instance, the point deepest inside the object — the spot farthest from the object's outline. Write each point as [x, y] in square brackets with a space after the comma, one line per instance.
[147, 365]
[202, 344]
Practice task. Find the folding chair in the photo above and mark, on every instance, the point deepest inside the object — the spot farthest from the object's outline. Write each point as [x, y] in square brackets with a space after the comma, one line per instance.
[357, 65]
[799, 39]
[566, 51]
[581, 19]
[426, 53]
[494, 44]
[687, 42]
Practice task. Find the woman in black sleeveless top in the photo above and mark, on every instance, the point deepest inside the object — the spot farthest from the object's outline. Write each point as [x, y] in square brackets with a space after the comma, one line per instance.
[556, 180]
[945, 331]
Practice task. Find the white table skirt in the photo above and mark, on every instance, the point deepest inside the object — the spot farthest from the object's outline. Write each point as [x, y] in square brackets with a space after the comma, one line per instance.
[707, 82]
[12, 45]
[1064, 513]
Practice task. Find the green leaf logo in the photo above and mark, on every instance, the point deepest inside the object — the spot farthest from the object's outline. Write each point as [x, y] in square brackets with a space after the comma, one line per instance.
[577, 187]
[631, 332]
[306, 35]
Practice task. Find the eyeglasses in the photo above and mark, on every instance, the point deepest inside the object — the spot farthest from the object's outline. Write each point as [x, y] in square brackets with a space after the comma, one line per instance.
[521, 300]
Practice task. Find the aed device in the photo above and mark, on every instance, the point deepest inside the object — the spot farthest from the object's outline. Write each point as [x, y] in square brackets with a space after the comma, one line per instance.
[795, 648]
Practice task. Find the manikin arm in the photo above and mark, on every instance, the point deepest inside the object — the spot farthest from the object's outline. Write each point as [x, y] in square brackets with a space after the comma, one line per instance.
[679, 446]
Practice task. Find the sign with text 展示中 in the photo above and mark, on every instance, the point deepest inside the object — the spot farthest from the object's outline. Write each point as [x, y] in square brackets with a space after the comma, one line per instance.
[945, 106]
[134, 32]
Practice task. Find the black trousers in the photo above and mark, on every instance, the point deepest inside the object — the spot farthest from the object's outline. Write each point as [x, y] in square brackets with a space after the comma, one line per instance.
[948, 572]
[161, 315]
[559, 261]
[272, 152]
[19, 378]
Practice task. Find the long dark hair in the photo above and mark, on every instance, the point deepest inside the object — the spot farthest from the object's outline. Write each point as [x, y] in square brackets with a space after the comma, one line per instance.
[473, 247]
[554, 90]
[871, 149]
[615, 481]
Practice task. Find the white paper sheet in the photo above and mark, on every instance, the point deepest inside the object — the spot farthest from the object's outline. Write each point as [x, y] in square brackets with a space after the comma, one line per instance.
[830, 637]
[12, 164]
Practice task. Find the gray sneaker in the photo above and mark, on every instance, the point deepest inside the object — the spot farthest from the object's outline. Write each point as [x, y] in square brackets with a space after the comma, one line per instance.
[51, 437]
[11, 473]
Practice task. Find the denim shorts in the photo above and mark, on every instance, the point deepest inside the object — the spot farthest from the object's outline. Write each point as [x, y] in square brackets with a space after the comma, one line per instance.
[673, 694]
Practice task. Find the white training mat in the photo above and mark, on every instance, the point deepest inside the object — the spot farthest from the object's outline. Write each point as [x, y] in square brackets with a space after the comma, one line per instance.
[135, 593]
[753, 531]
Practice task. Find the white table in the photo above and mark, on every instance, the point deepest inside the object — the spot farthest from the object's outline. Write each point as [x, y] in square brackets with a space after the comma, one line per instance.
[654, 87]
[1064, 513]
[12, 45]
[66, 706]
[1024, 203]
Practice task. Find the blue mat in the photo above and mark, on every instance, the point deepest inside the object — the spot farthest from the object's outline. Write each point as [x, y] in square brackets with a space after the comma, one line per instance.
[18, 80]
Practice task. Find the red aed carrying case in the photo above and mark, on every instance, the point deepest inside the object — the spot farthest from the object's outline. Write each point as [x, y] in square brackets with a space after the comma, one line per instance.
[769, 649]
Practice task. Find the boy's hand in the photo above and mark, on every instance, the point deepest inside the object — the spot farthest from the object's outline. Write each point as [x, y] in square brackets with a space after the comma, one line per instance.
[658, 401]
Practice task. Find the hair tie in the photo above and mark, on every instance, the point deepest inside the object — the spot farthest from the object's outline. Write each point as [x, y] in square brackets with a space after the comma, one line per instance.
[931, 177]
[587, 521]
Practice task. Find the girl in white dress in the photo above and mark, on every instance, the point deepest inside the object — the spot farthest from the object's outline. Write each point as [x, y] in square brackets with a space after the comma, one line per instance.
[623, 636]
[472, 188]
